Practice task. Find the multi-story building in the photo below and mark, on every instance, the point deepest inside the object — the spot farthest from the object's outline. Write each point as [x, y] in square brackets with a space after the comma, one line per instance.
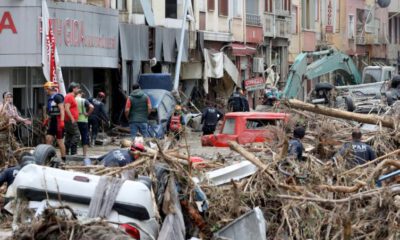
[86, 40]
[393, 50]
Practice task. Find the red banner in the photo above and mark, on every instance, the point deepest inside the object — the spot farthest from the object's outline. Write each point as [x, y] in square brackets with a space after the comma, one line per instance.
[254, 83]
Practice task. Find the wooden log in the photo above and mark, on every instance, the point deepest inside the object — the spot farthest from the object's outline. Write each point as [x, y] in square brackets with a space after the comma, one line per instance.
[394, 189]
[332, 112]
[252, 158]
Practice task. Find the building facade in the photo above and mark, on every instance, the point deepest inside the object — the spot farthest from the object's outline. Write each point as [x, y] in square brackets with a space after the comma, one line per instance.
[87, 43]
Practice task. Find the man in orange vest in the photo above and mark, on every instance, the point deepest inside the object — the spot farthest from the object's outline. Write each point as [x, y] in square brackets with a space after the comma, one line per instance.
[176, 122]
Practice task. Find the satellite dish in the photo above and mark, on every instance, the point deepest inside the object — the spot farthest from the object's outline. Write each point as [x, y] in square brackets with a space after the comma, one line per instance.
[383, 3]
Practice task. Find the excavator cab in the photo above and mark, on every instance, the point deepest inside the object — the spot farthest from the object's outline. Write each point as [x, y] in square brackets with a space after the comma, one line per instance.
[322, 93]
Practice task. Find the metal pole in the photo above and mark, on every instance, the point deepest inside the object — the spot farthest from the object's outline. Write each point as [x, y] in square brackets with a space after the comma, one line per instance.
[179, 58]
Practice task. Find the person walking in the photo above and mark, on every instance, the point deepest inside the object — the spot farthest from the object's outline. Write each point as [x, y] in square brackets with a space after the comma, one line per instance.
[245, 102]
[235, 102]
[55, 117]
[71, 117]
[295, 145]
[176, 122]
[209, 118]
[85, 109]
[137, 110]
[98, 116]
[360, 152]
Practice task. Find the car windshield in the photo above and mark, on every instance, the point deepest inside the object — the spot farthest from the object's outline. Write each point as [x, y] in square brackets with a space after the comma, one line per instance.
[260, 123]
[229, 126]
[372, 75]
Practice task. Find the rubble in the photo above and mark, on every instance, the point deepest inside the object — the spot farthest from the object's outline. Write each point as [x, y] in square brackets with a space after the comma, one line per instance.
[312, 199]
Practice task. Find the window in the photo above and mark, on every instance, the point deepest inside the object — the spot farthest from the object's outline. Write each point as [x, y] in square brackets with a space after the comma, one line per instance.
[287, 5]
[223, 7]
[308, 14]
[211, 5]
[294, 20]
[137, 7]
[237, 8]
[350, 27]
[372, 76]
[121, 4]
[260, 123]
[171, 9]
[252, 7]
[202, 5]
[229, 126]
[268, 6]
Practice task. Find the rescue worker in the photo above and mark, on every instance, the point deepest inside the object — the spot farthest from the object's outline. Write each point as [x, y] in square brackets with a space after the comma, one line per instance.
[7, 107]
[245, 102]
[361, 152]
[122, 157]
[209, 118]
[55, 117]
[98, 115]
[85, 109]
[71, 117]
[235, 103]
[176, 122]
[295, 145]
[137, 110]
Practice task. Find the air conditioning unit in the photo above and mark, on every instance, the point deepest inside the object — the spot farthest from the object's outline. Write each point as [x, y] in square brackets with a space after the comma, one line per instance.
[258, 65]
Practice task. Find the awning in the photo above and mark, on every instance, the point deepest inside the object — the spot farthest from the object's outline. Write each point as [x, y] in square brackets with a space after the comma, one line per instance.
[242, 49]
[231, 70]
[134, 42]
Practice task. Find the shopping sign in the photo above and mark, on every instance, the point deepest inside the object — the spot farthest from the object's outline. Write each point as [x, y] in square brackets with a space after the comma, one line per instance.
[253, 84]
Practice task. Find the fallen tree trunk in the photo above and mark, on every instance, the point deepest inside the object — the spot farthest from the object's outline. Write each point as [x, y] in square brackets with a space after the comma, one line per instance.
[253, 159]
[332, 112]
[393, 189]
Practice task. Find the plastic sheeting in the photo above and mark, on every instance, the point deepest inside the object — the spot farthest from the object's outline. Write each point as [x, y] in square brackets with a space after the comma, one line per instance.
[167, 43]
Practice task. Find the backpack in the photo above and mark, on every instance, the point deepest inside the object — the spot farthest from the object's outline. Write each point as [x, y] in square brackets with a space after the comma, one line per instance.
[175, 123]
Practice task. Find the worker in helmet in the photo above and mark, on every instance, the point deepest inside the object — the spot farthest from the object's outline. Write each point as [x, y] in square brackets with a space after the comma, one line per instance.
[55, 117]
[176, 123]
[98, 115]
[121, 157]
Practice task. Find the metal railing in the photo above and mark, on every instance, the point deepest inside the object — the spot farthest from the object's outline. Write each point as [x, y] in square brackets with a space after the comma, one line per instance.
[252, 19]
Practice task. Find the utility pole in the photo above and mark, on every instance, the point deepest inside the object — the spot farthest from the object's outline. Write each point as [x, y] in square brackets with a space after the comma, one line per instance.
[179, 58]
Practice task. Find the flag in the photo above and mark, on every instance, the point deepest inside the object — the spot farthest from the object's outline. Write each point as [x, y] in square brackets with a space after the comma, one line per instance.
[50, 60]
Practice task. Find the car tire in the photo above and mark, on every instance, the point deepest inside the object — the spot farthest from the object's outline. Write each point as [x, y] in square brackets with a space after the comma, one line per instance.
[349, 103]
[44, 153]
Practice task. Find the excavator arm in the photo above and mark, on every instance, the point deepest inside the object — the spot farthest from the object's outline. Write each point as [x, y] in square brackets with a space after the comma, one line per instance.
[330, 61]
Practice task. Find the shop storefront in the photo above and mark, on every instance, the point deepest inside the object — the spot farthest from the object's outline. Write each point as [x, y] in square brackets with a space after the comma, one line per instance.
[87, 43]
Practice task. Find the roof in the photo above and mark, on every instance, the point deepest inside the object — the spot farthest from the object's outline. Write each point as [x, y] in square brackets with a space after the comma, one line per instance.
[257, 115]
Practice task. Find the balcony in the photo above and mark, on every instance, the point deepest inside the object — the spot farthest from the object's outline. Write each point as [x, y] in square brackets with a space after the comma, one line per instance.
[252, 19]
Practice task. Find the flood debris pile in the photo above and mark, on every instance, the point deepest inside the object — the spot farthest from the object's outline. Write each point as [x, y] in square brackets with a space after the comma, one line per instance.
[52, 226]
[266, 194]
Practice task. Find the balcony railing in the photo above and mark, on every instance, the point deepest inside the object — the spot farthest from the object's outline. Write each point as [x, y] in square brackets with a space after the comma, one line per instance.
[252, 19]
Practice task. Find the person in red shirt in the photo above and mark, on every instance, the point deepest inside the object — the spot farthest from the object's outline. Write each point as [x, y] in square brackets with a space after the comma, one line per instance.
[72, 134]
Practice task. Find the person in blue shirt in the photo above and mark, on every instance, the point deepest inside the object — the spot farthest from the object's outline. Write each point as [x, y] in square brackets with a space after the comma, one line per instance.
[360, 152]
[121, 157]
[295, 145]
